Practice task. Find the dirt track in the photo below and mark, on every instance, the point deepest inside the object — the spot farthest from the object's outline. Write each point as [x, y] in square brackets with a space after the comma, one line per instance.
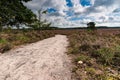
[43, 60]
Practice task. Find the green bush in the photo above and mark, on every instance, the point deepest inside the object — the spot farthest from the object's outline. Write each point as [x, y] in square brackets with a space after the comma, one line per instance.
[5, 48]
[90, 71]
[3, 41]
[4, 45]
[116, 58]
[85, 47]
[105, 55]
[22, 38]
[74, 50]
[83, 58]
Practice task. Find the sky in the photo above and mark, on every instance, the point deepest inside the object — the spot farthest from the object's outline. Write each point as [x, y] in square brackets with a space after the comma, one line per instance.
[77, 13]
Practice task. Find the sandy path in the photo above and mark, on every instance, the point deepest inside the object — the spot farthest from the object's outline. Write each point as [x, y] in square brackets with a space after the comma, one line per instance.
[43, 60]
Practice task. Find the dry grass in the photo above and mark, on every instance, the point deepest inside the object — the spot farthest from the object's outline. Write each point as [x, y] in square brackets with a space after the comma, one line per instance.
[11, 39]
[99, 50]
[101, 46]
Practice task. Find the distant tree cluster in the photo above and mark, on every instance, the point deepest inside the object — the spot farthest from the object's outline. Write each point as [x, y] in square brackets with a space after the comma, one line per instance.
[91, 25]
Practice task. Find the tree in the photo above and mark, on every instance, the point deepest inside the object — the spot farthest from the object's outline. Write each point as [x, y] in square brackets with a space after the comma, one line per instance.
[13, 12]
[0, 24]
[40, 12]
[91, 25]
[39, 23]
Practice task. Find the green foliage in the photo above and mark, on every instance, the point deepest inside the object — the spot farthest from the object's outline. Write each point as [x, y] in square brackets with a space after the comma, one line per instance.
[90, 71]
[44, 12]
[40, 25]
[105, 55]
[116, 58]
[83, 58]
[91, 25]
[74, 50]
[4, 45]
[102, 48]
[13, 12]
[23, 38]
[85, 47]
[3, 41]
[20, 37]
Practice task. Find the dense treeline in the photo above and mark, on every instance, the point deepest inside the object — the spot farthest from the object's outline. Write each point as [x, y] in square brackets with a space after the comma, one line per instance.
[13, 12]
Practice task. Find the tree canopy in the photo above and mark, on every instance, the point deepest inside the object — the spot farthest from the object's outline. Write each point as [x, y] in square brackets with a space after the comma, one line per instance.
[13, 12]
[91, 25]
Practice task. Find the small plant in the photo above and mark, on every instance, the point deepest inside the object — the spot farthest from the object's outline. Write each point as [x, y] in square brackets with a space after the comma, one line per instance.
[100, 77]
[90, 71]
[22, 38]
[75, 50]
[105, 55]
[5, 47]
[3, 41]
[83, 58]
[116, 58]
[85, 47]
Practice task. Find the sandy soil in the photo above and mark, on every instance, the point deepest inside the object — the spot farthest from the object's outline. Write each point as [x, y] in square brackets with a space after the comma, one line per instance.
[43, 60]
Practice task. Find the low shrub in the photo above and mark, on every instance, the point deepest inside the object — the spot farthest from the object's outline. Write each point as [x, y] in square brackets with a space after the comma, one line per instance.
[83, 58]
[5, 47]
[90, 71]
[105, 56]
[3, 41]
[85, 47]
[74, 50]
[20, 37]
[116, 58]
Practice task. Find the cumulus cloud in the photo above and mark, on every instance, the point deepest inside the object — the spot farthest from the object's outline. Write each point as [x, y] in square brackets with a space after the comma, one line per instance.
[103, 12]
[44, 4]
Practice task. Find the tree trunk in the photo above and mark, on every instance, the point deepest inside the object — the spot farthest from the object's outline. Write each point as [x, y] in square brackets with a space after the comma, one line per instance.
[18, 26]
[1, 28]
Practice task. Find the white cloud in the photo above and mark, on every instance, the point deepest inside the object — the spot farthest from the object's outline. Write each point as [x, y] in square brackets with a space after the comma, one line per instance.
[92, 2]
[44, 4]
[103, 12]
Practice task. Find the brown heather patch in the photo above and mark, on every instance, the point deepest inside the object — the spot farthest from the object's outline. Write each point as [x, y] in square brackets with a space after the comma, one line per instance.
[101, 46]
[99, 50]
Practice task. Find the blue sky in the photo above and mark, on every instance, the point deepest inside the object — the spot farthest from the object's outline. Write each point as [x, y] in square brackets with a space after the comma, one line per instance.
[85, 2]
[77, 13]
[69, 3]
